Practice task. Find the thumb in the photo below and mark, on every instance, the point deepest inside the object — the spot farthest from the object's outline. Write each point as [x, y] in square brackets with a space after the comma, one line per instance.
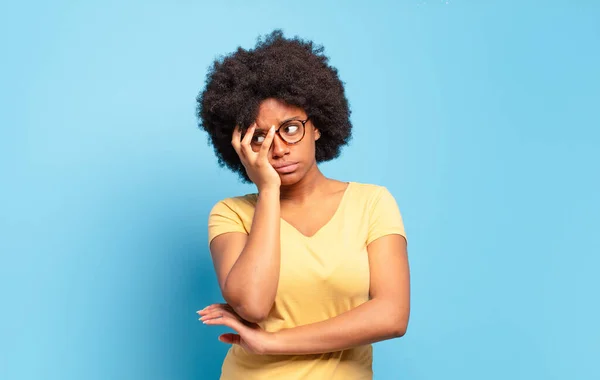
[230, 338]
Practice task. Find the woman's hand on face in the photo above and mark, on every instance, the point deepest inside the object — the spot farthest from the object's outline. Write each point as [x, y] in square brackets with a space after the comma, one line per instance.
[259, 169]
[249, 336]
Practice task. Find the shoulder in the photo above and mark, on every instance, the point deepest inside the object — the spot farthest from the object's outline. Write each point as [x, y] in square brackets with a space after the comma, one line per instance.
[369, 197]
[243, 204]
[368, 190]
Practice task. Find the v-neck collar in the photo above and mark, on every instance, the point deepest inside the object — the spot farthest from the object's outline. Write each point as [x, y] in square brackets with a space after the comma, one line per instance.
[333, 217]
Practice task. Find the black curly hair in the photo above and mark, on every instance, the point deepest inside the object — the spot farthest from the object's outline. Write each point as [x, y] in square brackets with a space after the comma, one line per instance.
[292, 70]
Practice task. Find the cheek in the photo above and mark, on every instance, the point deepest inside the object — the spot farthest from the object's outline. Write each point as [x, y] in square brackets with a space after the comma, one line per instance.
[310, 151]
[308, 148]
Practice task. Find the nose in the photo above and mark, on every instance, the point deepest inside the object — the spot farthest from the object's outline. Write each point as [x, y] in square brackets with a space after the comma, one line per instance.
[279, 148]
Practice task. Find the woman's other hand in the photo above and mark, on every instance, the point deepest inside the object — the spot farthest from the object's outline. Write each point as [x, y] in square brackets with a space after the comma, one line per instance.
[249, 336]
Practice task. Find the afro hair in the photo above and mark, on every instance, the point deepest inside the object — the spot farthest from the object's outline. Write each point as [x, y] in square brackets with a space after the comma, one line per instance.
[293, 70]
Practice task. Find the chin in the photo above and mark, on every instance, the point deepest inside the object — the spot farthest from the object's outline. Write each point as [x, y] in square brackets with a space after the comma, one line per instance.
[290, 179]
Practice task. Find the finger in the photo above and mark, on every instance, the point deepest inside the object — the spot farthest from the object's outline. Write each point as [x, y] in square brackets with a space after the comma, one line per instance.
[206, 308]
[248, 135]
[247, 139]
[230, 338]
[229, 308]
[224, 313]
[237, 134]
[266, 145]
[216, 314]
[235, 138]
[226, 321]
[209, 308]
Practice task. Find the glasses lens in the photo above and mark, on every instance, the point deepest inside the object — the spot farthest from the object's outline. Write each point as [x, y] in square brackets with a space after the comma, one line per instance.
[292, 132]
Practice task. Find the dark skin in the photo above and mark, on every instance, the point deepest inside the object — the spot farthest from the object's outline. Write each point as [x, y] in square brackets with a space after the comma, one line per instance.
[247, 265]
[305, 192]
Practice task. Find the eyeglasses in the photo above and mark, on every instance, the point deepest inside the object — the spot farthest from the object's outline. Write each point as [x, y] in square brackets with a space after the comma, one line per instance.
[291, 132]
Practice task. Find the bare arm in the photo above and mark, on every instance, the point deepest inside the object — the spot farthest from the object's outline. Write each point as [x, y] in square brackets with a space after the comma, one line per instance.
[383, 317]
[247, 266]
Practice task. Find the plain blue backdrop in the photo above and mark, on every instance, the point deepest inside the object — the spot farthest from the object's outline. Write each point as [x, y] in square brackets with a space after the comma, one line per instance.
[482, 118]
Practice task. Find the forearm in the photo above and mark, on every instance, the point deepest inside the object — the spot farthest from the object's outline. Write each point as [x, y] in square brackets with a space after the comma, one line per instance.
[251, 284]
[373, 321]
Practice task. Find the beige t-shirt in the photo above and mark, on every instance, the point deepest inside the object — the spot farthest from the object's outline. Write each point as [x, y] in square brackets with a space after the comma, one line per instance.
[321, 277]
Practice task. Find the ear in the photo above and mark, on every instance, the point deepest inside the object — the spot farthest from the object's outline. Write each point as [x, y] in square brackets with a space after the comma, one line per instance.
[317, 134]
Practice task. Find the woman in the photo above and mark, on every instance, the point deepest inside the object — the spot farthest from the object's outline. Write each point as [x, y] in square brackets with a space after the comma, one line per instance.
[313, 270]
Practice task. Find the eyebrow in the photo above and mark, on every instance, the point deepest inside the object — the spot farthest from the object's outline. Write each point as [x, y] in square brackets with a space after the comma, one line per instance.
[283, 122]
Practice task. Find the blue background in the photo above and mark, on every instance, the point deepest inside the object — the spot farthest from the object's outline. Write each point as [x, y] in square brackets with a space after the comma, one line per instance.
[482, 119]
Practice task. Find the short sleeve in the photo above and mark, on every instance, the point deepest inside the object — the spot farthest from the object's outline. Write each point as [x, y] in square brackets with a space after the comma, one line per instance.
[222, 219]
[385, 217]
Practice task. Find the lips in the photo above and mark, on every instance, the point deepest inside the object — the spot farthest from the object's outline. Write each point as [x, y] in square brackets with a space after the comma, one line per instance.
[285, 168]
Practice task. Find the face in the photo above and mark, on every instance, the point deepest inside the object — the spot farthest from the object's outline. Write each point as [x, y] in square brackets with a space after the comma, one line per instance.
[299, 157]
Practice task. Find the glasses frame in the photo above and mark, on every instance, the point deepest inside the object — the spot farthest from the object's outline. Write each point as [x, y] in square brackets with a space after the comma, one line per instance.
[289, 121]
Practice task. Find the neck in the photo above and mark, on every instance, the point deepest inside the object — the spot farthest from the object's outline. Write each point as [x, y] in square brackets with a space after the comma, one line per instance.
[305, 188]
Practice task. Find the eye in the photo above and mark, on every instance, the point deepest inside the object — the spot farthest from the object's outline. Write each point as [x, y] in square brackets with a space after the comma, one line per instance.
[291, 129]
[258, 138]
